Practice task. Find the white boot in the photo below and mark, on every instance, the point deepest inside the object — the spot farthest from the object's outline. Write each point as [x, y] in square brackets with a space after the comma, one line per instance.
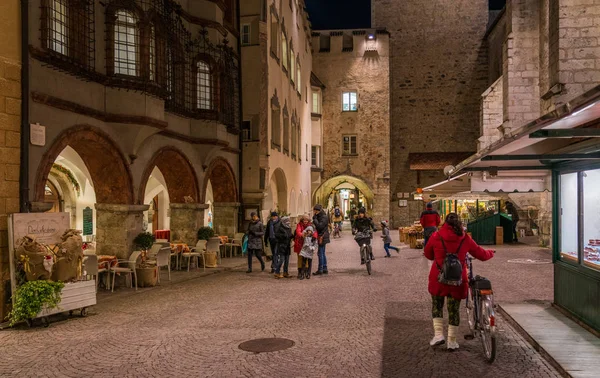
[452, 332]
[438, 331]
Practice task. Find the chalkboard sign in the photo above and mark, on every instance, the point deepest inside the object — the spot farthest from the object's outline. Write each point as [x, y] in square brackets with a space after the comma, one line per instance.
[88, 221]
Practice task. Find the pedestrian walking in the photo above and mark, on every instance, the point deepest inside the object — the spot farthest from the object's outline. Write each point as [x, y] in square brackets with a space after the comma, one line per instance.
[430, 220]
[321, 223]
[283, 234]
[309, 246]
[387, 239]
[270, 239]
[255, 234]
[514, 214]
[447, 245]
[299, 242]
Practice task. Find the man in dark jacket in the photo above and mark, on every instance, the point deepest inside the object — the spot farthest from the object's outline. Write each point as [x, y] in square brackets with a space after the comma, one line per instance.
[270, 238]
[284, 238]
[363, 228]
[430, 220]
[255, 244]
[321, 222]
[514, 213]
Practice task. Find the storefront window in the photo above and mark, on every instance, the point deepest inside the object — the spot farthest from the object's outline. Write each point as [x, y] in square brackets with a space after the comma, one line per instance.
[591, 219]
[568, 217]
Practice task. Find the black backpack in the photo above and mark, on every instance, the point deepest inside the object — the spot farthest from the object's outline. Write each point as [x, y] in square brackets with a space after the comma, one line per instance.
[337, 212]
[451, 270]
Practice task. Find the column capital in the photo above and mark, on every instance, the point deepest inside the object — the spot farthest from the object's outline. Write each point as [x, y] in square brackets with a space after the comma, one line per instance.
[118, 208]
[189, 206]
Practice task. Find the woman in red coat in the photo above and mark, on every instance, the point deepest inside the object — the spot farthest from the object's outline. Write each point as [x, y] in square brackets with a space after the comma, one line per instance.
[453, 236]
[299, 241]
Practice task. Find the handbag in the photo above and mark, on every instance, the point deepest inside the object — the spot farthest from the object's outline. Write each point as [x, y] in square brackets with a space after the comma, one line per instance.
[245, 245]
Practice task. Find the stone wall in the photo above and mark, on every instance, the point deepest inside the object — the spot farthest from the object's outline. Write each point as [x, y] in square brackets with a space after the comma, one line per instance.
[438, 72]
[364, 70]
[491, 114]
[117, 226]
[10, 127]
[574, 50]
[521, 63]
[186, 219]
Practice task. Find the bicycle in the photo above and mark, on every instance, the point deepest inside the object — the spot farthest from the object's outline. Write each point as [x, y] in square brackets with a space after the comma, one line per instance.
[365, 254]
[480, 312]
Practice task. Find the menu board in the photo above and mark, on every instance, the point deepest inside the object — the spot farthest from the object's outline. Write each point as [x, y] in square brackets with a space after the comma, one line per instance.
[88, 221]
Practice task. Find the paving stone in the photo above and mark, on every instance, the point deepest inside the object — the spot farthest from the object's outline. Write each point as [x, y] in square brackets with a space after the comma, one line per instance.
[345, 324]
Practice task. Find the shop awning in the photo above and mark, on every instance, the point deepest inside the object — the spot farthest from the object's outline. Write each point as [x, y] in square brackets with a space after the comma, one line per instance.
[545, 141]
[435, 161]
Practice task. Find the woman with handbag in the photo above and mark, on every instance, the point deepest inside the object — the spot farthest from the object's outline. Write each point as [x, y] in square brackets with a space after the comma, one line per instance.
[255, 233]
[448, 249]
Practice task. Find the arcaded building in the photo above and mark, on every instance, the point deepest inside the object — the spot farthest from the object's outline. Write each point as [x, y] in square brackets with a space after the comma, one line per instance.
[354, 108]
[276, 66]
[136, 107]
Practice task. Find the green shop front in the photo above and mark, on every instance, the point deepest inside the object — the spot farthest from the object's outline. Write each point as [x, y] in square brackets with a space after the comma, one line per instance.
[577, 240]
[564, 145]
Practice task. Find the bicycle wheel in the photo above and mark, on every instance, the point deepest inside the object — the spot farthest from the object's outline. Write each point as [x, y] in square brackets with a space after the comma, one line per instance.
[368, 259]
[488, 327]
[471, 310]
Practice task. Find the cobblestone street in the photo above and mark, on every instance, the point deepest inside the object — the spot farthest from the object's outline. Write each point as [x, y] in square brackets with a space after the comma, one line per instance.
[346, 324]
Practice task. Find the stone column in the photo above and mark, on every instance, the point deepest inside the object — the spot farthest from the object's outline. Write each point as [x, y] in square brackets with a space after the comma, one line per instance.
[186, 219]
[116, 227]
[225, 218]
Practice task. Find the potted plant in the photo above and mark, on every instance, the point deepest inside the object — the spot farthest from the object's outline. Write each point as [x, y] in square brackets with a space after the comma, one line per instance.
[34, 296]
[205, 233]
[147, 274]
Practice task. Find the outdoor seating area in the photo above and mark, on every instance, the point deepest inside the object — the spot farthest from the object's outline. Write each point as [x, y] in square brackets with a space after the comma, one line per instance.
[162, 256]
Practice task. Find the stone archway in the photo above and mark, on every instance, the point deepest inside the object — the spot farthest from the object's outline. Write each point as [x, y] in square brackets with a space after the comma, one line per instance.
[178, 179]
[277, 195]
[330, 193]
[102, 157]
[221, 179]
[118, 220]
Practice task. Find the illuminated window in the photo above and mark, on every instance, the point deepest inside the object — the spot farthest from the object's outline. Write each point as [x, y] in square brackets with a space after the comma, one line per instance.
[204, 86]
[349, 145]
[349, 102]
[125, 41]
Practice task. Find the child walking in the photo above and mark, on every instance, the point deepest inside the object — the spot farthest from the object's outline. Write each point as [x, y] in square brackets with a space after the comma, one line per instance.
[310, 245]
[387, 239]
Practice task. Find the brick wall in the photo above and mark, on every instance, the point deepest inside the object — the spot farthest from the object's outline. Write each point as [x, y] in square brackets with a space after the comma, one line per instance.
[438, 72]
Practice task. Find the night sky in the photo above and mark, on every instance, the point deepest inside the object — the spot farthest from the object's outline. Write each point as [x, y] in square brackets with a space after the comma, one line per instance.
[350, 14]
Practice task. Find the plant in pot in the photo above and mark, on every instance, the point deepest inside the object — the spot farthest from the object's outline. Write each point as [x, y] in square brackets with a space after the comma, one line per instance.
[32, 297]
[146, 271]
[205, 233]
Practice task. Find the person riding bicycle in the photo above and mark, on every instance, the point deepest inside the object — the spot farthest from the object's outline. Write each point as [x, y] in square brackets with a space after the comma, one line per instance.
[363, 229]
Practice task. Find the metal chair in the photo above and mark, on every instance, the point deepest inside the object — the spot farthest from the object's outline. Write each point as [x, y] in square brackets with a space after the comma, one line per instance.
[234, 243]
[91, 268]
[163, 258]
[130, 270]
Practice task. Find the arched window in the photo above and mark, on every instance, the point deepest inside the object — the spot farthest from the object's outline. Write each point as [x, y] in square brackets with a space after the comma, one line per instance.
[299, 76]
[286, 131]
[292, 64]
[58, 31]
[204, 86]
[126, 43]
[299, 140]
[152, 54]
[284, 50]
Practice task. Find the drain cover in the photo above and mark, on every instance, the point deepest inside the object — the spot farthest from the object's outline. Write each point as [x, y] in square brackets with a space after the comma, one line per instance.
[530, 261]
[273, 344]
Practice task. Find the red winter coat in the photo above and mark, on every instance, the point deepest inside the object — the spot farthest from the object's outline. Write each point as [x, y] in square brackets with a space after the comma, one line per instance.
[435, 249]
[299, 239]
[430, 218]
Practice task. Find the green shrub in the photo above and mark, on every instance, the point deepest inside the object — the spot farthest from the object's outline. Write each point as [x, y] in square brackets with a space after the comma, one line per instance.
[144, 240]
[205, 233]
[32, 296]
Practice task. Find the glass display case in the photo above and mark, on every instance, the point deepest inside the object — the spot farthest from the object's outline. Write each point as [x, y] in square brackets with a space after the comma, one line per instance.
[591, 218]
[568, 219]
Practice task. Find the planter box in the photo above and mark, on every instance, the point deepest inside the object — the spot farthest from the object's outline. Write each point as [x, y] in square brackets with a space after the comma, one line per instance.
[210, 259]
[147, 277]
[75, 295]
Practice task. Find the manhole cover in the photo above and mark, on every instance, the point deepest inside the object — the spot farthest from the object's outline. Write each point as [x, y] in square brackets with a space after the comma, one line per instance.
[530, 261]
[273, 344]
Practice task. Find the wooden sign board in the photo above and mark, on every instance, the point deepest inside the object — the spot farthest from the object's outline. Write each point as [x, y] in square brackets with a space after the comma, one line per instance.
[46, 228]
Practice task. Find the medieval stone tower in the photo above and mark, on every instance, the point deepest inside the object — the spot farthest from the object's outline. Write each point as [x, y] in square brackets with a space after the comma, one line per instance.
[438, 70]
